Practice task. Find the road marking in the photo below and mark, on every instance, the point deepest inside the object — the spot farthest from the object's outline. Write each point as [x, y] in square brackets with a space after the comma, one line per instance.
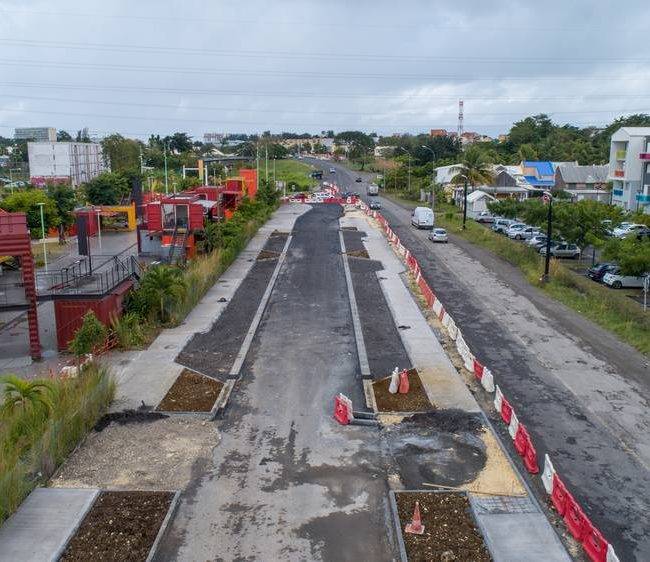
[356, 322]
[248, 340]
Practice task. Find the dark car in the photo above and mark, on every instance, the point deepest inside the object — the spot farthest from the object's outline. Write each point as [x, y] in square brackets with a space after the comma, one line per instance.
[375, 205]
[358, 180]
[643, 234]
[597, 272]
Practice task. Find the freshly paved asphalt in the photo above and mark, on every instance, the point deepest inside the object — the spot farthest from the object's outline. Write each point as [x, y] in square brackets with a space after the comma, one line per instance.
[609, 480]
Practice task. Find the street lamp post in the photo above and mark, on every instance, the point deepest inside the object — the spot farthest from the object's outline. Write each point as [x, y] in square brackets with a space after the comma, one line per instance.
[548, 198]
[409, 172]
[433, 175]
[464, 202]
[41, 205]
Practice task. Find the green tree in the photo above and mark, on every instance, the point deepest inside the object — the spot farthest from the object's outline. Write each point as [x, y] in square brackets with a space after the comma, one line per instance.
[65, 199]
[475, 168]
[161, 288]
[90, 334]
[107, 189]
[632, 255]
[28, 202]
[63, 136]
[26, 395]
[121, 154]
[179, 142]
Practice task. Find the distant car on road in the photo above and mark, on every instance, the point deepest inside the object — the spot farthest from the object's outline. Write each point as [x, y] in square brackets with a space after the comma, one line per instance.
[615, 280]
[358, 180]
[562, 250]
[438, 235]
[373, 189]
[598, 271]
[501, 225]
[422, 217]
[332, 170]
[375, 205]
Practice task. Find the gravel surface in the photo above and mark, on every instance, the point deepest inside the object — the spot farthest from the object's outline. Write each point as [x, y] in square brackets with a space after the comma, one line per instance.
[146, 455]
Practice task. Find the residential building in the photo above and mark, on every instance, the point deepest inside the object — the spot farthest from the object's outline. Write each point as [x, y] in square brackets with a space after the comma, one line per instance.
[583, 182]
[213, 138]
[438, 133]
[69, 162]
[629, 155]
[383, 151]
[509, 181]
[37, 134]
[444, 174]
[477, 202]
[539, 175]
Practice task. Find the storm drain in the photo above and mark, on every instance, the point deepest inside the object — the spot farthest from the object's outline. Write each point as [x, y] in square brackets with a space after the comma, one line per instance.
[502, 505]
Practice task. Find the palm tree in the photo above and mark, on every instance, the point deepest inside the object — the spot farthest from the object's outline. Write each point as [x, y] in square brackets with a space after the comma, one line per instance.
[18, 392]
[475, 168]
[163, 286]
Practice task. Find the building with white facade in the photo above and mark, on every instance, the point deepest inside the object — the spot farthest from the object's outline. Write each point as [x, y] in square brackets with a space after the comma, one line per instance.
[37, 134]
[629, 156]
[64, 162]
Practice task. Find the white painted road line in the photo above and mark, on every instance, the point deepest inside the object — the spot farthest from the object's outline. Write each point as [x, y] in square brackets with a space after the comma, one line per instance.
[243, 351]
[356, 322]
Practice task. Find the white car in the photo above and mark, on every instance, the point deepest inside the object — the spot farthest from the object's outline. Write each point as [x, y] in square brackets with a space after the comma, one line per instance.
[537, 241]
[438, 235]
[615, 280]
[625, 228]
[515, 228]
[562, 250]
[525, 233]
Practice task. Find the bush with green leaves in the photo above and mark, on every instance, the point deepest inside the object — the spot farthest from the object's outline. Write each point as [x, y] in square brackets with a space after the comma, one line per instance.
[91, 334]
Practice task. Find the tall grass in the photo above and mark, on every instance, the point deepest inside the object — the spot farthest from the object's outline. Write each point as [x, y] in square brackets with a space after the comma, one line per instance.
[35, 441]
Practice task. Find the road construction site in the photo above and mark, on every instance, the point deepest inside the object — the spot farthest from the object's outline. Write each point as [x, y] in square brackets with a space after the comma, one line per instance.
[317, 305]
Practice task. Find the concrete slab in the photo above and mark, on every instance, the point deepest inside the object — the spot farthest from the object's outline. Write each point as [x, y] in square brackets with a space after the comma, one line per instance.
[150, 375]
[512, 537]
[44, 523]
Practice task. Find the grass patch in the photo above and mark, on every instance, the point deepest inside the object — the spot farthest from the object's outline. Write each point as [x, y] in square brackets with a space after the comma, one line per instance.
[39, 430]
[294, 174]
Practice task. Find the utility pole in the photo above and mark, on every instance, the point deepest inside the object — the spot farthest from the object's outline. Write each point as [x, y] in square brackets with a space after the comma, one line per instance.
[257, 164]
[465, 203]
[166, 179]
[548, 198]
[43, 236]
[266, 158]
[433, 175]
[141, 163]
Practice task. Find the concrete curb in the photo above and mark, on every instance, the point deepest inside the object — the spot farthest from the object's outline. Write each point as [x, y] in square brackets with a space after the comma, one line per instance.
[369, 394]
[164, 527]
[224, 397]
[74, 530]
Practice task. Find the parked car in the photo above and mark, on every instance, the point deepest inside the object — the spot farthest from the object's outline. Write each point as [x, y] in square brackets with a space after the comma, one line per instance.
[484, 217]
[375, 205]
[525, 233]
[438, 235]
[501, 225]
[562, 250]
[514, 228]
[422, 217]
[537, 241]
[626, 228]
[643, 233]
[598, 271]
[615, 280]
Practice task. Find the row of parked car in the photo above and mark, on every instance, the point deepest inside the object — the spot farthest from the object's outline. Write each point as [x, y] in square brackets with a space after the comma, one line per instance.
[535, 238]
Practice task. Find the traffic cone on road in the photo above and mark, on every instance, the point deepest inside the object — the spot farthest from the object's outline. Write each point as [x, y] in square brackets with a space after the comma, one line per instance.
[404, 382]
[415, 527]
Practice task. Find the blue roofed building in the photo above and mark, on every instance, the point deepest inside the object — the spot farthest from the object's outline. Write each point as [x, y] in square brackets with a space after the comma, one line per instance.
[539, 175]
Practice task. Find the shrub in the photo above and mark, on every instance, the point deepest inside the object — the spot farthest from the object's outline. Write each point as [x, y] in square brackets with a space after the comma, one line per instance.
[91, 334]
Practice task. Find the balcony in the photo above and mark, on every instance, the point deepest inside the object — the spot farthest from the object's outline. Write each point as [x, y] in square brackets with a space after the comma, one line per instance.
[619, 173]
[644, 156]
[620, 154]
[617, 192]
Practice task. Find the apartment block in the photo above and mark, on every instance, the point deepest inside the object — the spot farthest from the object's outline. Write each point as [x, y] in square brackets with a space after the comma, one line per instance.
[629, 157]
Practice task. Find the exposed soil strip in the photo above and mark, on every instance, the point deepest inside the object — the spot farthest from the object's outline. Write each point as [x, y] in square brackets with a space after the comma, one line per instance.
[266, 255]
[416, 400]
[119, 526]
[450, 533]
[191, 392]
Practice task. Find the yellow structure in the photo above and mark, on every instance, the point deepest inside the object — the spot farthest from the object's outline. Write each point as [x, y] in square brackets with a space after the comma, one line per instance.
[129, 210]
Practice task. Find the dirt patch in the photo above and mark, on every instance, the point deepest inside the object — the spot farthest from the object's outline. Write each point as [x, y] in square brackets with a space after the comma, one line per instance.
[450, 533]
[191, 392]
[358, 254]
[119, 526]
[128, 417]
[268, 255]
[416, 400]
[160, 455]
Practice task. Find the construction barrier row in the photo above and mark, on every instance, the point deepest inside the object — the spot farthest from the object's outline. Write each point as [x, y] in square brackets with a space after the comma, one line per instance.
[594, 544]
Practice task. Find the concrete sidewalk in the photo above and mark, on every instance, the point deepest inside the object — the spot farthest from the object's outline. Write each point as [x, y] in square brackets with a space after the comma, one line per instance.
[514, 529]
[148, 376]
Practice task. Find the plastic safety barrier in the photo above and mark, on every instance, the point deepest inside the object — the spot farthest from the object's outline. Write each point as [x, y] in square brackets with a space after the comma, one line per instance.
[521, 440]
[498, 399]
[506, 411]
[559, 495]
[478, 369]
[513, 426]
[487, 380]
[547, 475]
[594, 543]
[574, 518]
[530, 458]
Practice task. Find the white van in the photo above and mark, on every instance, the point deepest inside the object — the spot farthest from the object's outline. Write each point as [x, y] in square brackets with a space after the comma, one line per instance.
[422, 217]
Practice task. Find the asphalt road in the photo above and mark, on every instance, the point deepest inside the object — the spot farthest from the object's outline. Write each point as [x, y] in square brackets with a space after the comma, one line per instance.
[582, 393]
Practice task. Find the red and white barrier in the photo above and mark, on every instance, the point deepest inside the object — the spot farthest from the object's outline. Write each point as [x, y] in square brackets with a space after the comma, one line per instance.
[594, 544]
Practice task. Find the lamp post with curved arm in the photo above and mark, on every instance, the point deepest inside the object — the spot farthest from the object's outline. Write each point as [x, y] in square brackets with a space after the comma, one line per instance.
[433, 175]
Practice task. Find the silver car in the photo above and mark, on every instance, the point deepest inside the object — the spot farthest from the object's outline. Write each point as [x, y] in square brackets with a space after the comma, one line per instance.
[438, 235]
[525, 233]
[562, 250]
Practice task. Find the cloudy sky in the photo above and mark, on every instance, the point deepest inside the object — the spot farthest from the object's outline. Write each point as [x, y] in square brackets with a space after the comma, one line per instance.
[309, 65]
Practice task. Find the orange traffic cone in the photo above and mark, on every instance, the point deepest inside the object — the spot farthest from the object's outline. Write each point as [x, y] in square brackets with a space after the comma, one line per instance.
[404, 382]
[415, 527]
